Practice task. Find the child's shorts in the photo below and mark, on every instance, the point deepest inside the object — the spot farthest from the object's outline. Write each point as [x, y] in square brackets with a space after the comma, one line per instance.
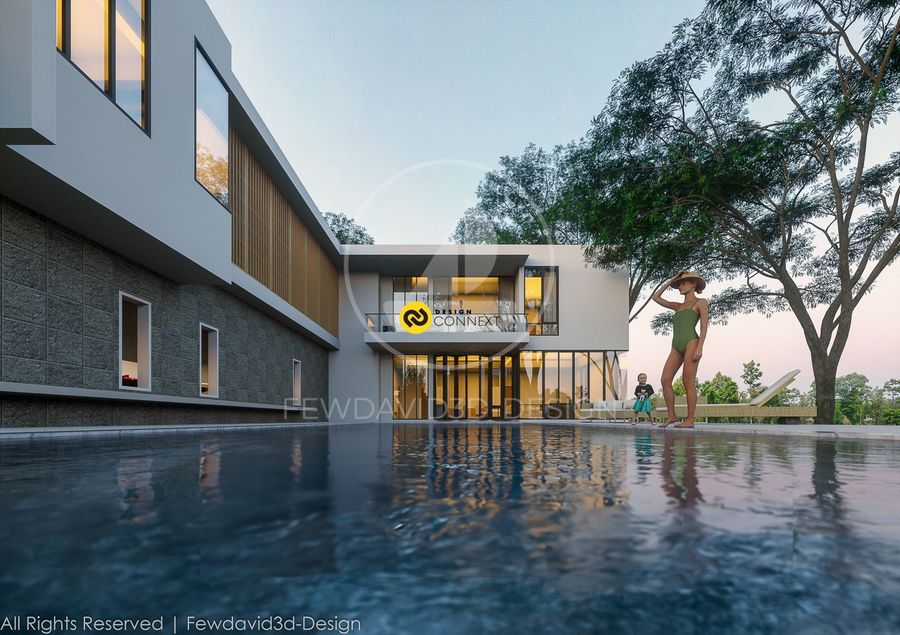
[642, 405]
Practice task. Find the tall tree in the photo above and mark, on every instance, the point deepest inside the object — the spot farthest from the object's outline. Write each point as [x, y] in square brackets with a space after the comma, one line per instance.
[517, 202]
[347, 230]
[752, 127]
[752, 377]
[618, 207]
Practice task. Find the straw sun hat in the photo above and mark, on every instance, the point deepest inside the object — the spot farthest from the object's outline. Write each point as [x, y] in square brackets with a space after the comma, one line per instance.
[690, 275]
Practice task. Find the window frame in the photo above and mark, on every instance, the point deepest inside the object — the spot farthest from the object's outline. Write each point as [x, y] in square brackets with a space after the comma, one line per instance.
[198, 48]
[110, 80]
[135, 299]
[540, 331]
[209, 394]
[296, 381]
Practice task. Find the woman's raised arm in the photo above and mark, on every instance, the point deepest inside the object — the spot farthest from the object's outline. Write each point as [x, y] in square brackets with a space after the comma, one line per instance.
[657, 295]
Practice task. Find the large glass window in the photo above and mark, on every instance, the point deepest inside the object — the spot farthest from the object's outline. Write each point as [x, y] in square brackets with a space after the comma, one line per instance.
[107, 41]
[211, 130]
[542, 300]
[410, 386]
[130, 38]
[558, 384]
[88, 38]
[409, 289]
[582, 382]
[531, 384]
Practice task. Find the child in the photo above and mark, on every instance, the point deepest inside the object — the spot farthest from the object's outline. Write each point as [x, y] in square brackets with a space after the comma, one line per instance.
[642, 395]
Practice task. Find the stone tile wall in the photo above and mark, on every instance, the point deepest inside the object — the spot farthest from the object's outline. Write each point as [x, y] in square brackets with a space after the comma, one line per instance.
[59, 294]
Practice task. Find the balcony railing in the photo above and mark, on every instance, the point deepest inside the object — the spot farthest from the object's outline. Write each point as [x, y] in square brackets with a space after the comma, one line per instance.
[454, 323]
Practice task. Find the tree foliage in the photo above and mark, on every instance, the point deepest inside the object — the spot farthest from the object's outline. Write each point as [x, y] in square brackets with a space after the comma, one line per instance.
[752, 378]
[720, 389]
[212, 172]
[747, 139]
[347, 230]
[518, 202]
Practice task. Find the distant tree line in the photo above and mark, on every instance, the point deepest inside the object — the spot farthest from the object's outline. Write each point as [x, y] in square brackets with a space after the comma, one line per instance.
[856, 401]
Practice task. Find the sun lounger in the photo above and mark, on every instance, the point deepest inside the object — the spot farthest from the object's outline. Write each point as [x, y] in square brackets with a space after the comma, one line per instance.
[756, 408]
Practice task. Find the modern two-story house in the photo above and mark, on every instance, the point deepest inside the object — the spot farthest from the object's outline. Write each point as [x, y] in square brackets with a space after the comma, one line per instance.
[162, 262]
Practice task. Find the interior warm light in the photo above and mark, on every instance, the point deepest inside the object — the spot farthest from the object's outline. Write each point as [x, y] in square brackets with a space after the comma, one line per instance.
[59, 24]
[533, 292]
[475, 285]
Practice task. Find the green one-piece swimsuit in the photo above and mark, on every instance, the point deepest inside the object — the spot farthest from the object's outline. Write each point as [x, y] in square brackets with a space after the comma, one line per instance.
[684, 328]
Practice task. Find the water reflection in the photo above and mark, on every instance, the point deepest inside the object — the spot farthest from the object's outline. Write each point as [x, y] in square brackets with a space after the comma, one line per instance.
[136, 497]
[679, 471]
[460, 528]
[210, 471]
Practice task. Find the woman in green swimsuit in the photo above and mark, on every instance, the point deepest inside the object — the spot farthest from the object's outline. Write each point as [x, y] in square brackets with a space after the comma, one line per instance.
[687, 345]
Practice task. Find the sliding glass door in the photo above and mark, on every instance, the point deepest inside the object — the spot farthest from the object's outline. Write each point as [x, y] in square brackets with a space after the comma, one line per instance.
[474, 387]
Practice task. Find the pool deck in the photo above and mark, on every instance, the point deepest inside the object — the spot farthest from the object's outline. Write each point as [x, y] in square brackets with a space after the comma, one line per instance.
[881, 432]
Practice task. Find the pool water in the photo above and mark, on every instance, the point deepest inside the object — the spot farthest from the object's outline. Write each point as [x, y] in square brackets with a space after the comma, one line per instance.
[459, 529]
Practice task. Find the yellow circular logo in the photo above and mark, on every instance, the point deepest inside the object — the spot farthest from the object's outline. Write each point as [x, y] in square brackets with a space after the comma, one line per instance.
[415, 317]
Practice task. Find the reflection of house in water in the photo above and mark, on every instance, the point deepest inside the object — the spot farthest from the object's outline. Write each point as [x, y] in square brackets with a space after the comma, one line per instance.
[210, 466]
[137, 503]
[555, 468]
[296, 457]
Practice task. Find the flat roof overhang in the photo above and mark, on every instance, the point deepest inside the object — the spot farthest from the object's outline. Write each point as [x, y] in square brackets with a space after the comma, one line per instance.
[436, 260]
[446, 343]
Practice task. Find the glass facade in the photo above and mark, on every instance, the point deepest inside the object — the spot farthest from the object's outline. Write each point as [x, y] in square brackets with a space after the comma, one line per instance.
[408, 289]
[490, 295]
[526, 385]
[531, 384]
[130, 67]
[542, 300]
[211, 131]
[89, 39]
[110, 52]
[410, 386]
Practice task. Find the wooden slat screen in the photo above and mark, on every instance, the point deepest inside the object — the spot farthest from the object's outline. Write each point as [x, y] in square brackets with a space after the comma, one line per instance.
[271, 244]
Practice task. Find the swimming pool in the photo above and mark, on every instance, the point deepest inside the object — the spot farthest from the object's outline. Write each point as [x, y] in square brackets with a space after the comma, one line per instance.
[458, 529]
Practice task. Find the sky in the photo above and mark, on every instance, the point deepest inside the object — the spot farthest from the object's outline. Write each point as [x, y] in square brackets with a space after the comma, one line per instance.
[391, 112]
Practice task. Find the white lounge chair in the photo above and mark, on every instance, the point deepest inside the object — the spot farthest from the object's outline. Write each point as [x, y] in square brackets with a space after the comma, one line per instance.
[757, 407]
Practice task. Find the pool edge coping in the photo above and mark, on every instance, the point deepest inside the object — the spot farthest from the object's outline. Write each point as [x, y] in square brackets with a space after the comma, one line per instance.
[803, 431]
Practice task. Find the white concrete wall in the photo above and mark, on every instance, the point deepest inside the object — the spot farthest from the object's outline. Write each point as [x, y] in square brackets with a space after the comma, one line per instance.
[593, 303]
[146, 180]
[354, 380]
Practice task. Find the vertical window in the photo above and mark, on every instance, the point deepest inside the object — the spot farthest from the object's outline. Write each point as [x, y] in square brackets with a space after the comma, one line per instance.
[134, 342]
[211, 129]
[209, 361]
[89, 38]
[410, 386]
[107, 41]
[542, 300]
[296, 393]
[60, 25]
[129, 62]
[582, 364]
[531, 384]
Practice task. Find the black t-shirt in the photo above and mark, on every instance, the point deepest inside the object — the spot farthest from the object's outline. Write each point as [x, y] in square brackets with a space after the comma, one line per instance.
[643, 391]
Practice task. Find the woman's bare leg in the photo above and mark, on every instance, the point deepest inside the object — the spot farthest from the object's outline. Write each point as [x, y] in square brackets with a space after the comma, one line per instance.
[673, 363]
[689, 377]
